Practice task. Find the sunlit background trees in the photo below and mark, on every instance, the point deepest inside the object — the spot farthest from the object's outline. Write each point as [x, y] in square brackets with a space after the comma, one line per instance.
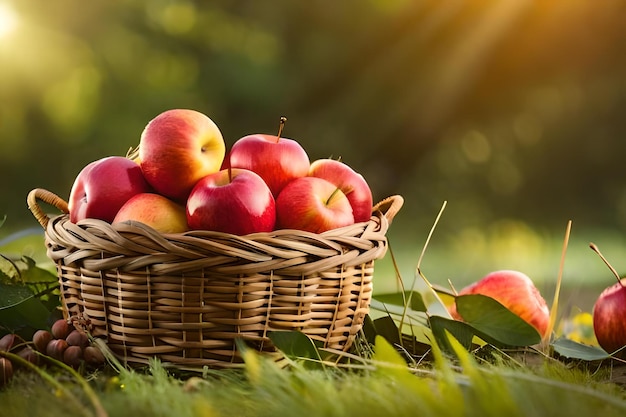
[511, 111]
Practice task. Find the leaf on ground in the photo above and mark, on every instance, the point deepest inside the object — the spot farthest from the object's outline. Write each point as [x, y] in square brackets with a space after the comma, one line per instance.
[495, 323]
[574, 350]
[462, 332]
[400, 299]
[295, 345]
[387, 328]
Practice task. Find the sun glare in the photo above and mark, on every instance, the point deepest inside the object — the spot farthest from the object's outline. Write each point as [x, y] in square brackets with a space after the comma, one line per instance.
[8, 20]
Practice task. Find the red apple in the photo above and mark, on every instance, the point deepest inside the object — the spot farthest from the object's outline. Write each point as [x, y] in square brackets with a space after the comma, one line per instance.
[350, 182]
[609, 318]
[515, 291]
[276, 159]
[235, 201]
[156, 211]
[177, 148]
[314, 205]
[103, 186]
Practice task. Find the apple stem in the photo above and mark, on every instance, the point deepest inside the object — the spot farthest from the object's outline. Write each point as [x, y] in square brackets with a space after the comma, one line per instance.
[597, 250]
[332, 195]
[230, 173]
[281, 125]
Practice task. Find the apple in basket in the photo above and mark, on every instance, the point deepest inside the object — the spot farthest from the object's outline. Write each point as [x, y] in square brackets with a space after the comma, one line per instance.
[276, 159]
[312, 204]
[235, 201]
[515, 291]
[156, 211]
[102, 187]
[177, 148]
[350, 182]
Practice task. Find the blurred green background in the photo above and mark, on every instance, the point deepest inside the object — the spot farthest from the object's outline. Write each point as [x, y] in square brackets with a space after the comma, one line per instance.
[510, 111]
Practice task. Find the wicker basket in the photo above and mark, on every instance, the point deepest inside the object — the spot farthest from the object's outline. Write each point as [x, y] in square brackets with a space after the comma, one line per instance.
[186, 298]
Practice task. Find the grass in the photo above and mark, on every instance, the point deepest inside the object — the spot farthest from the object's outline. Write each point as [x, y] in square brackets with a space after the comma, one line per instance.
[383, 385]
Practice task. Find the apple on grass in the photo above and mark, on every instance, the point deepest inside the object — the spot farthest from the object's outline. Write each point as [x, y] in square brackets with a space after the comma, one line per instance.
[235, 201]
[156, 211]
[177, 148]
[350, 182]
[312, 204]
[515, 291]
[276, 159]
[609, 319]
[609, 313]
[102, 187]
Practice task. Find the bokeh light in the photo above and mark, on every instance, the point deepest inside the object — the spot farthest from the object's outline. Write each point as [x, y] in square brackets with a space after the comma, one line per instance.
[9, 20]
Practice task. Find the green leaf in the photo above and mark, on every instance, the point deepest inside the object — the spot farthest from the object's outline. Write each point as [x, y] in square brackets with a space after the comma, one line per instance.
[387, 328]
[461, 331]
[399, 299]
[369, 329]
[20, 310]
[13, 295]
[295, 345]
[494, 323]
[574, 350]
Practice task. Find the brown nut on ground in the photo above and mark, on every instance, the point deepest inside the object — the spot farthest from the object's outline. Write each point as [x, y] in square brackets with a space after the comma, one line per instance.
[29, 354]
[73, 356]
[77, 338]
[56, 348]
[6, 371]
[41, 338]
[7, 342]
[93, 356]
[61, 328]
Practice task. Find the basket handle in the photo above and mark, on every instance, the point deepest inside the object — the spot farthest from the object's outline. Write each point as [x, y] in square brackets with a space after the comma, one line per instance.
[390, 206]
[47, 197]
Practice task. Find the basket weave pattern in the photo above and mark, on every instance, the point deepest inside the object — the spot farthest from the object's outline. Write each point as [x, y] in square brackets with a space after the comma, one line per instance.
[187, 297]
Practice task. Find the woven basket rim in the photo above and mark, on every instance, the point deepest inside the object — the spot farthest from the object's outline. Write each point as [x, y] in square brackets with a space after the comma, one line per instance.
[386, 208]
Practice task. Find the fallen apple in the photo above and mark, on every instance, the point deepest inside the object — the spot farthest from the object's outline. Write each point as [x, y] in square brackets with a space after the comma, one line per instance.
[276, 159]
[350, 182]
[102, 187]
[312, 204]
[515, 291]
[235, 201]
[177, 148]
[156, 211]
[609, 312]
[609, 319]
